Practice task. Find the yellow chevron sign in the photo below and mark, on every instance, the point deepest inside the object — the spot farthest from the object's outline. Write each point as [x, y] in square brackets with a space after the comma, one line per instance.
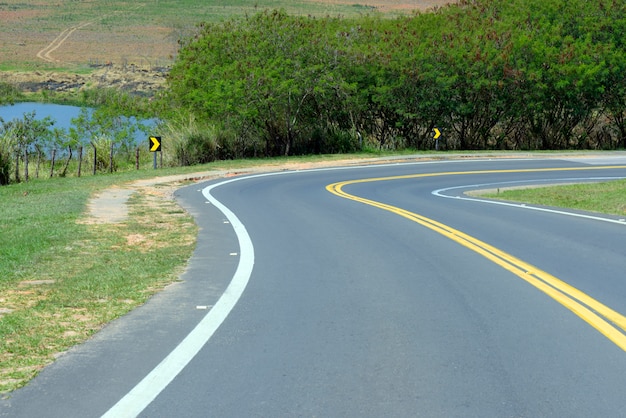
[155, 143]
[437, 133]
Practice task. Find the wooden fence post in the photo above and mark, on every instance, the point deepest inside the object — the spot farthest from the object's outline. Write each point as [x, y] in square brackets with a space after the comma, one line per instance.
[111, 158]
[17, 167]
[95, 158]
[25, 165]
[54, 153]
[80, 158]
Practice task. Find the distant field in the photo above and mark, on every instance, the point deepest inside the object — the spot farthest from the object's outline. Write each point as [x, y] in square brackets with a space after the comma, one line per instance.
[72, 35]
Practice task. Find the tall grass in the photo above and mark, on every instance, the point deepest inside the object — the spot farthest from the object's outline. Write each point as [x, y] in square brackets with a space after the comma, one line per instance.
[189, 142]
[9, 93]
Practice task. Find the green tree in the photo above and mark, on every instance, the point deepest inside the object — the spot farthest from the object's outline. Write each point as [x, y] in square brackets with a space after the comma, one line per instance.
[107, 133]
[521, 74]
[29, 136]
[7, 150]
[270, 72]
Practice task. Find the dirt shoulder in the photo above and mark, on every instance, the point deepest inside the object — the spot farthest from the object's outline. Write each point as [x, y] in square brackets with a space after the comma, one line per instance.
[110, 205]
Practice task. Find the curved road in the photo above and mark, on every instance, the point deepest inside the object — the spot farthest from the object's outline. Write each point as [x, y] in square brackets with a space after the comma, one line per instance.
[370, 291]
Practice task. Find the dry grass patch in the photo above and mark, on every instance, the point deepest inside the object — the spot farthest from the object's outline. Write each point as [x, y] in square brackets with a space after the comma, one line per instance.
[71, 292]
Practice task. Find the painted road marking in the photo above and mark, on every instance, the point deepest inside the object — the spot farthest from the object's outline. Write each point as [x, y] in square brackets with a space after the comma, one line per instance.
[604, 319]
[149, 388]
[441, 193]
[133, 403]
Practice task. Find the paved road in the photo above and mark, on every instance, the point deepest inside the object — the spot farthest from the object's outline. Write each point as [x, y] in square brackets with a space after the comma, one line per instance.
[389, 297]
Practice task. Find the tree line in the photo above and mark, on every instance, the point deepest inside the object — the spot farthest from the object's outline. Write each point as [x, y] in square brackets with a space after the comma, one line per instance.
[489, 74]
[106, 137]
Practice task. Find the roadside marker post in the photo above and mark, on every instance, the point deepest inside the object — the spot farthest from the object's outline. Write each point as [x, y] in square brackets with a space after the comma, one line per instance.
[436, 135]
[155, 146]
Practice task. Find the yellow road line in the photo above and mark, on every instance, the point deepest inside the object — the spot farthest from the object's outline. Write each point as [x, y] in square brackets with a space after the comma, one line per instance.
[596, 314]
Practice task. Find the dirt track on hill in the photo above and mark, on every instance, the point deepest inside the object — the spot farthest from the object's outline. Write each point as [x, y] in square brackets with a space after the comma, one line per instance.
[45, 53]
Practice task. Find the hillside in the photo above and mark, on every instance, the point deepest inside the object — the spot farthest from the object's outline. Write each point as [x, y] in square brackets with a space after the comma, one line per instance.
[489, 74]
[70, 44]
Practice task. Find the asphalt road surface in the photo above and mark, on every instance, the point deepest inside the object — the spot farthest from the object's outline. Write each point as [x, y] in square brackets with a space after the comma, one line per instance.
[370, 291]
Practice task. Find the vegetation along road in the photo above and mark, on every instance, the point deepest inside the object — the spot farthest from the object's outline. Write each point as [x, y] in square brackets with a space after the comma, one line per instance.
[239, 86]
[364, 290]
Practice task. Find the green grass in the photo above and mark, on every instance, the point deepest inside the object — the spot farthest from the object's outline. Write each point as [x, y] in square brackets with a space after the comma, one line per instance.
[62, 279]
[606, 197]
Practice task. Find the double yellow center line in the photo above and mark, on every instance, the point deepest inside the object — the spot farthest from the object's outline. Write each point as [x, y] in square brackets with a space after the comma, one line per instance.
[610, 323]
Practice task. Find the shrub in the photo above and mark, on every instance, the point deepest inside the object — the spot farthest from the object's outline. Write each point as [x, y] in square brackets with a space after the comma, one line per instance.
[7, 150]
[6, 161]
[104, 162]
[198, 148]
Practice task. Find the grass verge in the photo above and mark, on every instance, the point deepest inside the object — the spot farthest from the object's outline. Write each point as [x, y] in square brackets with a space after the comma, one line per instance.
[605, 197]
[62, 279]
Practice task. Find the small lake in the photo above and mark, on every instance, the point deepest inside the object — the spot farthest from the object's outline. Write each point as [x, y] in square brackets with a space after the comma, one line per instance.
[62, 115]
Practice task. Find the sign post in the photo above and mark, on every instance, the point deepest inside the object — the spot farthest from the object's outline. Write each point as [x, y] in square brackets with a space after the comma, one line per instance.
[436, 136]
[155, 146]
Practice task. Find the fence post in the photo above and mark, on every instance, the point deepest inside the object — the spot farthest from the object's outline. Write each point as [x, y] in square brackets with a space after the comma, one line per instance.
[80, 159]
[25, 165]
[95, 158]
[54, 153]
[17, 167]
[111, 158]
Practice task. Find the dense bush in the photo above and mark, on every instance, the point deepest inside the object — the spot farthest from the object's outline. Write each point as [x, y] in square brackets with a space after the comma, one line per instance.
[490, 74]
[9, 93]
[6, 156]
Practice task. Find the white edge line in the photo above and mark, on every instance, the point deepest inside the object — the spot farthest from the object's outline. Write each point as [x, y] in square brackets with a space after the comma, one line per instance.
[439, 193]
[140, 396]
[135, 401]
